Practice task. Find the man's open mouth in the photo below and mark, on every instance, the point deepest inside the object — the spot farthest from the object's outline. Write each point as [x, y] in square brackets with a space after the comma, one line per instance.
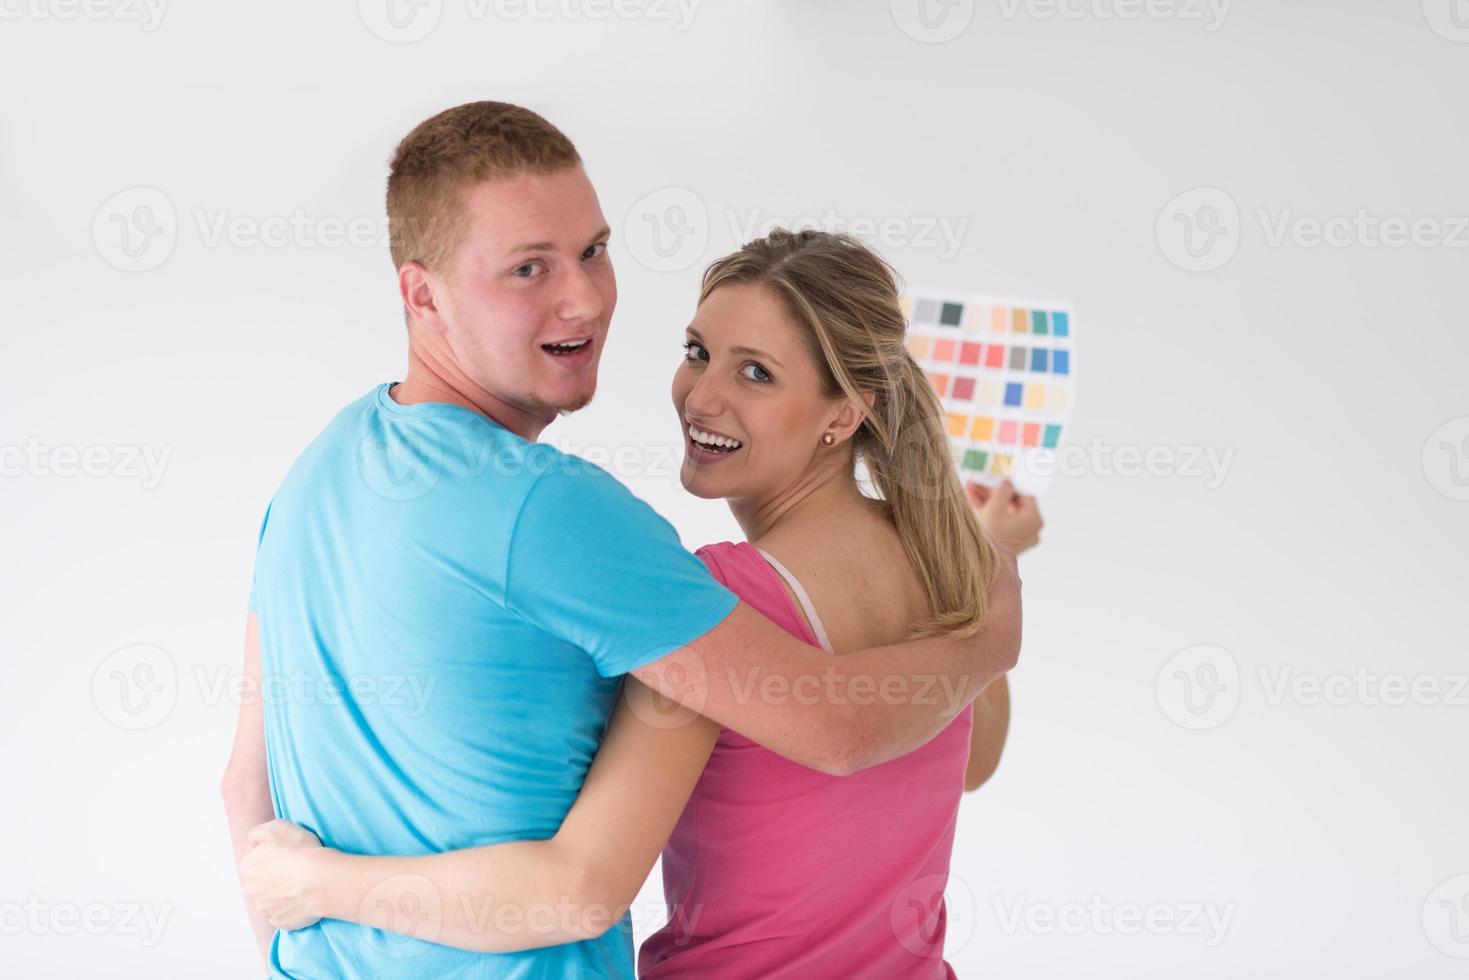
[567, 347]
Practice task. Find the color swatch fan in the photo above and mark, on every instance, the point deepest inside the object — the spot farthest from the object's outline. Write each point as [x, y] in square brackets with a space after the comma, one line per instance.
[1005, 370]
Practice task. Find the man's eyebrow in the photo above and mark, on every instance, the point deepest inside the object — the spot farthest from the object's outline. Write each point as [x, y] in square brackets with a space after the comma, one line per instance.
[747, 351]
[604, 232]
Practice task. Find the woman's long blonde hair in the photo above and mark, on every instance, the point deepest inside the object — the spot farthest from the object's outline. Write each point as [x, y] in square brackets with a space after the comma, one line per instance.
[844, 297]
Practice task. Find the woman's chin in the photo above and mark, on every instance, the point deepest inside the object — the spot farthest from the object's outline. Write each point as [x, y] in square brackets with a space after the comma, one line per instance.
[697, 481]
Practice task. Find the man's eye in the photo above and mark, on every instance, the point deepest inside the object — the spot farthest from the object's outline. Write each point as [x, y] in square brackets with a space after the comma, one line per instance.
[527, 270]
[756, 373]
[595, 251]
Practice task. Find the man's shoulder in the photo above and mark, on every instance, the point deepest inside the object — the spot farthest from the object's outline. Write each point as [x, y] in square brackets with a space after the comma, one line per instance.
[561, 479]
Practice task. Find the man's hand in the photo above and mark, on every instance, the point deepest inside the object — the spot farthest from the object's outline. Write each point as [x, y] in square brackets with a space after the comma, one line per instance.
[282, 873]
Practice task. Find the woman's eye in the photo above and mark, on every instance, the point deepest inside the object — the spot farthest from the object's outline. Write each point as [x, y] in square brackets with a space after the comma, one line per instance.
[595, 251]
[693, 352]
[755, 373]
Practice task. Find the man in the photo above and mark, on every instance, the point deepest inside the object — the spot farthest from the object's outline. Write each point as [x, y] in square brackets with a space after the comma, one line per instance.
[450, 606]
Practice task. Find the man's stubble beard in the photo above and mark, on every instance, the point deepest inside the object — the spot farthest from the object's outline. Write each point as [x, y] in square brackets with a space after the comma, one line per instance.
[576, 406]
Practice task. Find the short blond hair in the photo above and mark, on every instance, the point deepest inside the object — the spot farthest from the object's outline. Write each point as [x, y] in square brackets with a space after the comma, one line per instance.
[452, 151]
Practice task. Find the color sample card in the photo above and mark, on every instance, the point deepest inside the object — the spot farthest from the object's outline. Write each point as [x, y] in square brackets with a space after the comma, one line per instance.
[1005, 370]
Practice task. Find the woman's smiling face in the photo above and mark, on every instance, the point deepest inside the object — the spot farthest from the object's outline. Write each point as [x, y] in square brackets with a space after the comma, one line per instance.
[749, 396]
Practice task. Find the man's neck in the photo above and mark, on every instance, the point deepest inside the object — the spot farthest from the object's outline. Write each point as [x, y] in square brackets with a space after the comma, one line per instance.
[430, 380]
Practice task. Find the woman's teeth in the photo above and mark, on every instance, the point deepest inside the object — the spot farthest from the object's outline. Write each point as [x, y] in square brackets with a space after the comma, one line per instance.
[713, 443]
[571, 348]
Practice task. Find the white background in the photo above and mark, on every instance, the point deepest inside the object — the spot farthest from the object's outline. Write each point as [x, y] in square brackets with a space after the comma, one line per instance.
[1332, 834]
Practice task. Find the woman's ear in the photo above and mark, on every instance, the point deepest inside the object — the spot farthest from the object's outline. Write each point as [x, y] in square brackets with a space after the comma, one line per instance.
[849, 417]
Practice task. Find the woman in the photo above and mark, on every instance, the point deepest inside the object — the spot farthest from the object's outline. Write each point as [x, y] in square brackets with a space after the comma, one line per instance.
[795, 372]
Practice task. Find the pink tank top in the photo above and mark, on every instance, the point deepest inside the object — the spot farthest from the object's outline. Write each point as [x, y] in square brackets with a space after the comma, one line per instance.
[779, 871]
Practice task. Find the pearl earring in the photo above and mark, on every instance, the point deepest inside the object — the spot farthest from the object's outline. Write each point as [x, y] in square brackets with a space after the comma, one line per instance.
[828, 439]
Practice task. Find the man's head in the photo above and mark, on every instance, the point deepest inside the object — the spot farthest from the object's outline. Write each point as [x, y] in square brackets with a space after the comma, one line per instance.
[500, 246]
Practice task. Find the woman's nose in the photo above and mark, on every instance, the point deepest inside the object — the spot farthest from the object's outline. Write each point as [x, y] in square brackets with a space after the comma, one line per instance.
[706, 398]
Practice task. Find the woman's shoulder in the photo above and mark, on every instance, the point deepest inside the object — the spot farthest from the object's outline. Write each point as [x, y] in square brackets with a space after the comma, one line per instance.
[742, 569]
[727, 559]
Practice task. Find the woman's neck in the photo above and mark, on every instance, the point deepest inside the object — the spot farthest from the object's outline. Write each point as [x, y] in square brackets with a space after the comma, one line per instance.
[827, 490]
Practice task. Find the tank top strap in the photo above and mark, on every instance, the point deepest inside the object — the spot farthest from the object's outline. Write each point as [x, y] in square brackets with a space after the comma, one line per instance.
[802, 597]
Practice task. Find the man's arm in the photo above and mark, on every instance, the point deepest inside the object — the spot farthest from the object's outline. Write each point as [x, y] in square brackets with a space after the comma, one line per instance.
[246, 785]
[842, 714]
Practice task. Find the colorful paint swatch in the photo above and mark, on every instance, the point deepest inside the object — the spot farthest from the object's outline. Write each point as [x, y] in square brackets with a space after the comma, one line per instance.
[1005, 371]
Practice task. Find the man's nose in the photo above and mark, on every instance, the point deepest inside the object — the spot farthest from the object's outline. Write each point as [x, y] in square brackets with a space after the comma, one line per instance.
[580, 297]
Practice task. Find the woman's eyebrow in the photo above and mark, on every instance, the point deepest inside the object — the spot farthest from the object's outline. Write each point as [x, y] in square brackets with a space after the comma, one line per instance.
[746, 351]
[754, 352]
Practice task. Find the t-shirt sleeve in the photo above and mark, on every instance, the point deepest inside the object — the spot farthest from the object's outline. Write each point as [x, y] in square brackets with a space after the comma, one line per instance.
[593, 565]
[250, 604]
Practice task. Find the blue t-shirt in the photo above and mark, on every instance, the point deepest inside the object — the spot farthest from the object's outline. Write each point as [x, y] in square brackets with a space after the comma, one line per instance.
[446, 611]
